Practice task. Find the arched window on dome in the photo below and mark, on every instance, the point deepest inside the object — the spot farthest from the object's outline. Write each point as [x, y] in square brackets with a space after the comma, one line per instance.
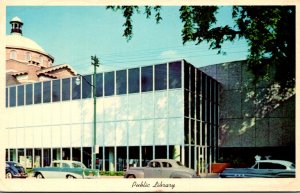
[28, 56]
[41, 60]
[13, 55]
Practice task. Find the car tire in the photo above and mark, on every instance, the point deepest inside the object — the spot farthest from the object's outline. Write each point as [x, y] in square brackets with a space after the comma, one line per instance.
[131, 176]
[70, 177]
[8, 175]
[39, 176]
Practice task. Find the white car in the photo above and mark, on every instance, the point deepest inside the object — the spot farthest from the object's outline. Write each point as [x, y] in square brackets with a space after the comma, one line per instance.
[262, 169]
[161, 168]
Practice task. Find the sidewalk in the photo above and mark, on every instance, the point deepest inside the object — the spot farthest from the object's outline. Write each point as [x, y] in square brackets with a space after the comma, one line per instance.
[209, 175]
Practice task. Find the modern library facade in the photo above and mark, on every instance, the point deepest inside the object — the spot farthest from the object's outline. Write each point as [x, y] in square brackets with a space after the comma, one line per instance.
[168, 110]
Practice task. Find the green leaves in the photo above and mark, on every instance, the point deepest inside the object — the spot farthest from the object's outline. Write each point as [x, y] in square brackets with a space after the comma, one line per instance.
[129, 11]
[269, 31]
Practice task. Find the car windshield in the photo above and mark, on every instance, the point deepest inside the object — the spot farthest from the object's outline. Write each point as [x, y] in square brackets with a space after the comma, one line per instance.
[17, 165]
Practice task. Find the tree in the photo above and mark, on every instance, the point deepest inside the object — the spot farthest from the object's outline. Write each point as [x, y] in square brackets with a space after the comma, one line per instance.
[269, 31]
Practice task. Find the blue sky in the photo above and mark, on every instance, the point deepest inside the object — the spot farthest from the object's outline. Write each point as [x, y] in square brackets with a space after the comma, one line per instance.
[71, 34]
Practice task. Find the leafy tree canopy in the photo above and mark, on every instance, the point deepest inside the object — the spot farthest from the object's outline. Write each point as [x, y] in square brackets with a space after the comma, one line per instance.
[269, 31]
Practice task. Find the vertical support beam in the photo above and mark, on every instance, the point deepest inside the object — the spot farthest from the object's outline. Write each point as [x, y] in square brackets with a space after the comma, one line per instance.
[140, 155]
[115, 160]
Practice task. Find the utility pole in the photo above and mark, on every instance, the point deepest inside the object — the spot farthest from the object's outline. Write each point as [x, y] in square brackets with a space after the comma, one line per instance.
[95, 63]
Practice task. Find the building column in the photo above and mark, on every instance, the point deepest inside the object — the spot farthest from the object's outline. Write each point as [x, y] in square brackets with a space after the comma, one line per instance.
[176, 153]
[111, 157]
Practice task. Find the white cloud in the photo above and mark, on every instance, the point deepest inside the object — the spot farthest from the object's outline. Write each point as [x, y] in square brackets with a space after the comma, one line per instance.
[170, 54]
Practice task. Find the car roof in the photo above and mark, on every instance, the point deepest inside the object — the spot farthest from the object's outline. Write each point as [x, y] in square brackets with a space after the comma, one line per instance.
[166, 160]
[10, 162]
[284, 162]
[66, 161]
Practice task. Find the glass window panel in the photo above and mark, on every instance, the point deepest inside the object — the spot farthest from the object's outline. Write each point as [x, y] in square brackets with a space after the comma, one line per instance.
[6, 91]
[203, 85]
[86, 86]
[56, 90]
[175, 74]
[208, 91]
[198, 133]
[147, 78]
[46, 92]
[37, 93]
[199, 74]
[203, 133]
[186, 75]
[75, 89]
[66, 86]
[109, 83]
[192, 78]
[160, 77]
[20, 95]
[12, 96]
[28, 94]
[198, 104]
[192, 105]
[186, 131]
[99, 85]
[186, 103]
[134, 80]
[193, 136]
[121, 82]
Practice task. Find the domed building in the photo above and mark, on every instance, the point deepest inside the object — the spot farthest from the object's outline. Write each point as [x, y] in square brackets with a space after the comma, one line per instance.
[27, 61]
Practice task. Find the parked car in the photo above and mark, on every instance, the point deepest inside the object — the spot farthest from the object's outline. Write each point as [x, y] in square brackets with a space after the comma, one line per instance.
[262, 169]
[65, 169]
[14, 170]
[161, 168]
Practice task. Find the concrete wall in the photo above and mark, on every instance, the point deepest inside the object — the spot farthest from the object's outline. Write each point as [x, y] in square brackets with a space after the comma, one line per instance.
[249, 115]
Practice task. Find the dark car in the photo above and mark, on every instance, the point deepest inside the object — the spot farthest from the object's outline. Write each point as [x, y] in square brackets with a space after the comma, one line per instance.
[15, 170]
[262, 169]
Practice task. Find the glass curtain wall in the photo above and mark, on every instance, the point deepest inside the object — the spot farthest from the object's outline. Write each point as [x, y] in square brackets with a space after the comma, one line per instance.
[200, 118]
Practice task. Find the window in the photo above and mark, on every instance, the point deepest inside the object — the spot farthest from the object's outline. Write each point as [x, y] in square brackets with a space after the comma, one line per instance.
[86, 86]
[21, 95]
[175, 75]
[155, 164]
[13, 55]
[121, 82]
[6, 91]
[65, 165]
[99, 85]
[192, 78]
[28, 94]
[186, 75]
[66, 94]
[147, 78]
[134, 80]
[161, 77]
[109, 83]
[56, 90]
[166, 165]
[12, 96]
[28, 56]
[75, 89]
[41, 60]
[271, 166]
[37, 93]
[46, 92]
[56, 165]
